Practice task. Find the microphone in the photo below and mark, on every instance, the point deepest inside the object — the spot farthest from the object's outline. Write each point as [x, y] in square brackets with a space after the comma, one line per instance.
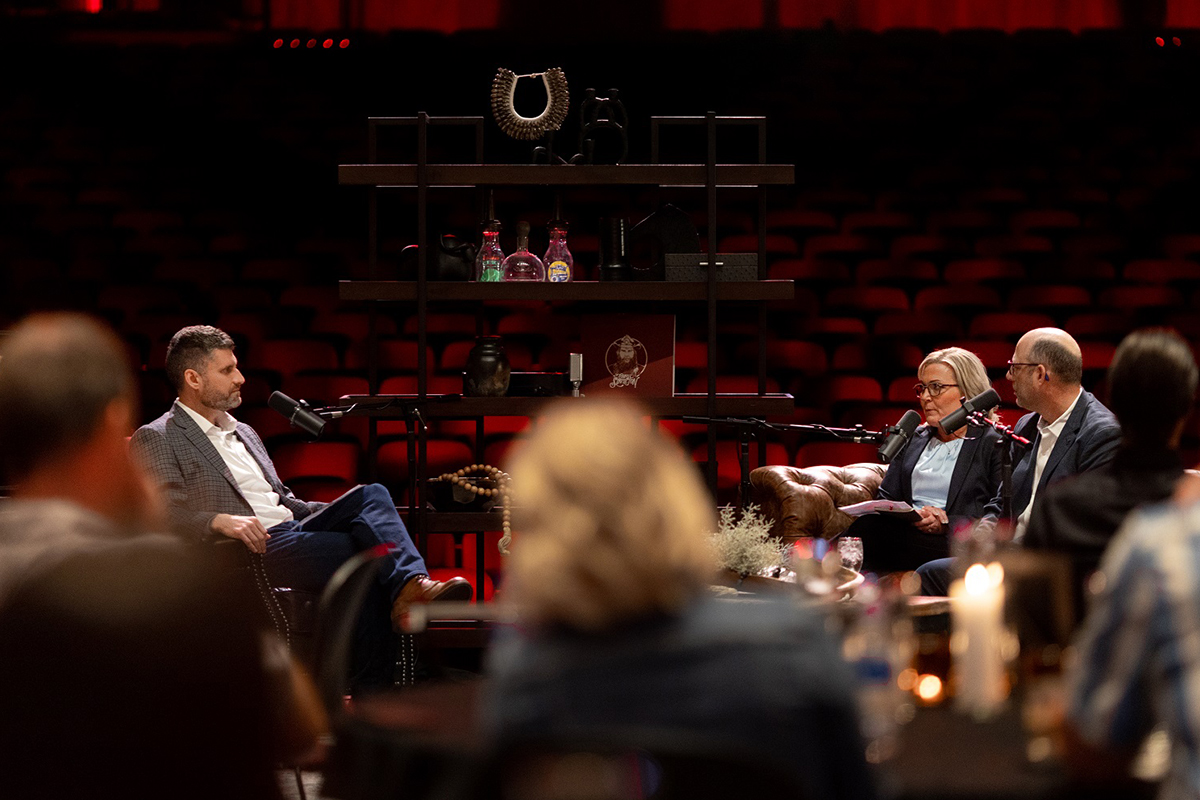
[900, 433]
[297, 412]
[984, 401]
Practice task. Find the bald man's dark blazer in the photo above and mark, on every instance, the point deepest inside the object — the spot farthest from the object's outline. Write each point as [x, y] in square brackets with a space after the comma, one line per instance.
[194, 478]
[1089, 440]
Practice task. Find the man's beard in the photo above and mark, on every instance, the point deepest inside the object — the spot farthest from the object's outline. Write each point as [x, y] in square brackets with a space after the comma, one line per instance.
[222, 402]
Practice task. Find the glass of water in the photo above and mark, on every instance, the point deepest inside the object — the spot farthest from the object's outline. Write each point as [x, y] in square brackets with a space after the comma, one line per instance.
[850, 548]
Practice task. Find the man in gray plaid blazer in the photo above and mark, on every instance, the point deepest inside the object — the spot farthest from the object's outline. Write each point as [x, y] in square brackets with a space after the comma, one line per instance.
[218, 481]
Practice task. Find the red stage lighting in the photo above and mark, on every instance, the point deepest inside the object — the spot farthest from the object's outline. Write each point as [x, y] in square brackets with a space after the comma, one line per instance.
[328, 43]
[344, 44]
[295, 43]
[1158, 40]
[278, 43]
[312, 42]
[1175, 41]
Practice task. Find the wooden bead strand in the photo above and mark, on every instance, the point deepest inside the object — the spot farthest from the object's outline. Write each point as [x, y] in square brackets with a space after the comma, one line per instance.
[499, 489]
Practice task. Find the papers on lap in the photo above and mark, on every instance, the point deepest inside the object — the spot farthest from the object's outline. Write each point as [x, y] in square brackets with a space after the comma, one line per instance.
[893, 508]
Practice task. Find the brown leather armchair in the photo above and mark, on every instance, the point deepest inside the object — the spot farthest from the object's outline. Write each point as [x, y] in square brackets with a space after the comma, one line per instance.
[804, 501]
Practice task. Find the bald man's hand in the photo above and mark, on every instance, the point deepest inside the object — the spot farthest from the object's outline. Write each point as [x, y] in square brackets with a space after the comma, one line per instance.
[248, 530]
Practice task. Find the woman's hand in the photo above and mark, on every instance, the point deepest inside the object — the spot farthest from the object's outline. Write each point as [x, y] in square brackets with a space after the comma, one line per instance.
[933, 520]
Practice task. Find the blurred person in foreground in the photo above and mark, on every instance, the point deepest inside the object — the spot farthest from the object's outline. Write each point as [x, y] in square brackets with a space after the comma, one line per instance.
[619, 633]
[1079, 515]
[67, 402]
[1137, 665]
[124, 671]
[948, 477]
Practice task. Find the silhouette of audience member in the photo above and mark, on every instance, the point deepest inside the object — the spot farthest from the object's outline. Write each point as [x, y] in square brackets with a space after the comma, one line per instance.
[619, 635]
[124, 675]
[125, 668]
[1079, 515]
[67, 404]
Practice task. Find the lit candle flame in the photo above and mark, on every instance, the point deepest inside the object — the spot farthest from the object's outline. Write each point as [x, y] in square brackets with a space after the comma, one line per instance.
[977, 580]
[929, 688]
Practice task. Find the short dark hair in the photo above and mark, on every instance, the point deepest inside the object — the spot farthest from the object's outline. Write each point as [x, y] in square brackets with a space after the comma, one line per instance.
[1157, 365]
[1058, 360]
[59, 372]
[191, 347]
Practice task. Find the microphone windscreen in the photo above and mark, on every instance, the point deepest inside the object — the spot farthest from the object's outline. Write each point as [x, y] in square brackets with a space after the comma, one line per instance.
[278, 401]
[986, 399]
[902, 432]
[909, 423]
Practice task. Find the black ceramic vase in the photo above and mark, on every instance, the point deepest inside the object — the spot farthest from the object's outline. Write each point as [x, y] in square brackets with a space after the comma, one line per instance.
[487, 370]
[614, 255]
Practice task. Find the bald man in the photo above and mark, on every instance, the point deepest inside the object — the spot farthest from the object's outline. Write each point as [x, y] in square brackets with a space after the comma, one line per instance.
[1070, 430]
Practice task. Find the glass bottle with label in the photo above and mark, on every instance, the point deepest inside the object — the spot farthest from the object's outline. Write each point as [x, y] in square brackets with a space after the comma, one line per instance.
[523, 265]
[560, 266]
[489, 263]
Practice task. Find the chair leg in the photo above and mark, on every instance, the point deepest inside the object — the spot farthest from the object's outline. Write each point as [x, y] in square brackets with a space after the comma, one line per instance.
[299, 783]
[406, 658]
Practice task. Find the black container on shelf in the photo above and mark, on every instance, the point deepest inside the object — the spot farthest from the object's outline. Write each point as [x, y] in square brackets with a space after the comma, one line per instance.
[445, 495]
[614, 252]
[487, 371]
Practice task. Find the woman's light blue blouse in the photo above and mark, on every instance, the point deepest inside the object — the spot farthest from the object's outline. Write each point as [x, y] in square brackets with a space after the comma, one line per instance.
[935, 467]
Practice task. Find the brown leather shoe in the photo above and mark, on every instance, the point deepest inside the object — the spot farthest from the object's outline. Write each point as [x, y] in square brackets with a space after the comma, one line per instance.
[424, 589]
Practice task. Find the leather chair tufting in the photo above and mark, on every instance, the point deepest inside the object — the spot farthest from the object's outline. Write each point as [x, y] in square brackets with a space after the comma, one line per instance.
[804, 501]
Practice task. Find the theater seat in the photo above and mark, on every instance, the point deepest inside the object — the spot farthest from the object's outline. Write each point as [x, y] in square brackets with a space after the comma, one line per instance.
[1009, 325]
[442, 455]
[1162, 271]
[907, 274]
[1155, 299]
[729, 474]
[1050, 299]
[963, 299]
[338, 460]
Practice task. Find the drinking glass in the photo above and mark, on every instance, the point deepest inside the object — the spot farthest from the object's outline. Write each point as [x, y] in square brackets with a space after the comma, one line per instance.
[850, 548]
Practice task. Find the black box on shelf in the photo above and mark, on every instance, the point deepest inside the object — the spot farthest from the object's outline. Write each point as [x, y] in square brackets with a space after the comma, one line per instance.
[694, 266]
[533, 384]
[538, 384]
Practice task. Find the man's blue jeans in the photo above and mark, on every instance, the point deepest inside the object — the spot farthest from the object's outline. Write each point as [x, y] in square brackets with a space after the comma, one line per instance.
[304, 554]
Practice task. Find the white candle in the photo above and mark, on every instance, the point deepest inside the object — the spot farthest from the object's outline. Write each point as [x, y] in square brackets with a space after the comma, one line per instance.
[976, 642]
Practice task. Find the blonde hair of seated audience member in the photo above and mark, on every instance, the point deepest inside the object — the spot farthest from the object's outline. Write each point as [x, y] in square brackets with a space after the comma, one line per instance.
[613, 520]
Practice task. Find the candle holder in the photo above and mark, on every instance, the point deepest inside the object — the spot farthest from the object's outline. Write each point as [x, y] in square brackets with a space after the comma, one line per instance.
[979, 641]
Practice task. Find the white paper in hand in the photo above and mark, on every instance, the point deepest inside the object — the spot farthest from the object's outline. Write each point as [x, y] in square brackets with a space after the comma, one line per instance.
[896, 507]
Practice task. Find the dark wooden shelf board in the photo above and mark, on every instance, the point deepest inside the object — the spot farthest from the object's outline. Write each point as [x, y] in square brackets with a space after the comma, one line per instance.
[457, 407]
[459, 521]
[728, 291]
[728, 175]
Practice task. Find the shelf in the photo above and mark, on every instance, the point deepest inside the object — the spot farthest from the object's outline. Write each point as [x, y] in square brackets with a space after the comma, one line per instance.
[729, 291]
[458, 407]
[457, 521]
[405, 175]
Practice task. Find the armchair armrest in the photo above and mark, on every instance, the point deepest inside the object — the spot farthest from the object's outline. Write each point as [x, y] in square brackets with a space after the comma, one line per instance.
[804, 501]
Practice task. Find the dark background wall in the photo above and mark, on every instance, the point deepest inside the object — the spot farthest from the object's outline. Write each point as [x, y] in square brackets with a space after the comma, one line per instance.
[160, 176]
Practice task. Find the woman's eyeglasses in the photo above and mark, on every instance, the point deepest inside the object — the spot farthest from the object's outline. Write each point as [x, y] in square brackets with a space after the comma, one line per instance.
[934, 388]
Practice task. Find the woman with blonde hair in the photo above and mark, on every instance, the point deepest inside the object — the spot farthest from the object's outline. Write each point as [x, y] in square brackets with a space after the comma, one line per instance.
[947, 476]
[618, 631]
